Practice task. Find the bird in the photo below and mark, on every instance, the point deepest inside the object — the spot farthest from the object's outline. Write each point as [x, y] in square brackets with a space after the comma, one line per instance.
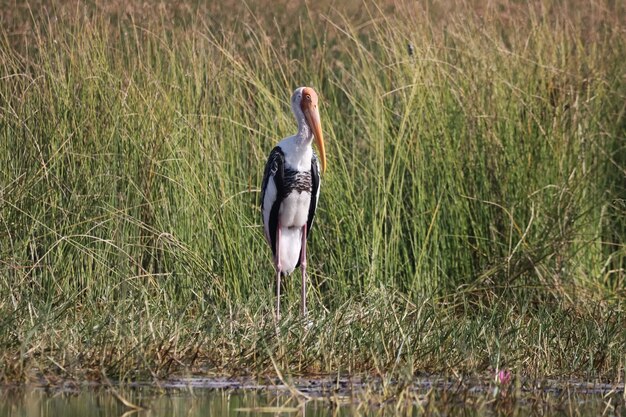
[291, 188]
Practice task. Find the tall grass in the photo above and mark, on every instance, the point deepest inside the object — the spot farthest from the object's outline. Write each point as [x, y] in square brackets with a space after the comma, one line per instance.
[472, 214]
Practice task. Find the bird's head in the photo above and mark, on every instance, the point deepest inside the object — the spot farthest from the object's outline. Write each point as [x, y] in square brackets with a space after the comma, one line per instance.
[305, 100]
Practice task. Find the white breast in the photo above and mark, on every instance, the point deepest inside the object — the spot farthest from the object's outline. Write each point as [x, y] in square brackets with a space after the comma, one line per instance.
[294, 210]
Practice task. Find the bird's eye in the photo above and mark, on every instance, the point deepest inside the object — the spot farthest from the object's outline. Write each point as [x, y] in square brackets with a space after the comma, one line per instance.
[308, 97]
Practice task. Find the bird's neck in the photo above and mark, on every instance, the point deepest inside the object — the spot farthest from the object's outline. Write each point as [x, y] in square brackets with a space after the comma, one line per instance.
[304, 137]
[298, 149]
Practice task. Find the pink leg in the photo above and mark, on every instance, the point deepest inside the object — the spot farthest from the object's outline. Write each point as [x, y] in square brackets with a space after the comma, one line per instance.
[303, 267]
[278, 271]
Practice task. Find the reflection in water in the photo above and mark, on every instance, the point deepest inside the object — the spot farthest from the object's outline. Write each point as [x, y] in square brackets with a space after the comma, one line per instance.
[104, 403]
[241, 403]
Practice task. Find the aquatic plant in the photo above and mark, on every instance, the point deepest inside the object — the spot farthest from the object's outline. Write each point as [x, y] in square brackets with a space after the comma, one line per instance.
[472, 214]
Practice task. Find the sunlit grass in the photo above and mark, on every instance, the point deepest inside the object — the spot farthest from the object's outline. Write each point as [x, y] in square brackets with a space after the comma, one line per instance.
[472, 216]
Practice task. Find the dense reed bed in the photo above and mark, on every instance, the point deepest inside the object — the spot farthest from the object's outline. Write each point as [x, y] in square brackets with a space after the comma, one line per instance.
[472, 217]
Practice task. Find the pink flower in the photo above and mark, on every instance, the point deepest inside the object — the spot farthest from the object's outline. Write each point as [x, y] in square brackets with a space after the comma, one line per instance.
[503, 377]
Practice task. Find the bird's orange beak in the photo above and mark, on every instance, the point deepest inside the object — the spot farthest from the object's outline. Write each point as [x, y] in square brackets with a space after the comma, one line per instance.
[312, 115]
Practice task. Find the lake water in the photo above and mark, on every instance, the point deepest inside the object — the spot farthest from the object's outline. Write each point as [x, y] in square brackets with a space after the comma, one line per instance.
[192, 399]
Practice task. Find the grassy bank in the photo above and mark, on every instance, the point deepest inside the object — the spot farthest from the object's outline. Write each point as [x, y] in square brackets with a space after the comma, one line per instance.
[472, 216]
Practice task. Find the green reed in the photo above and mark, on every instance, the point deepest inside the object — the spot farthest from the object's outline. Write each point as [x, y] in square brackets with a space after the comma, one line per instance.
[472, 215]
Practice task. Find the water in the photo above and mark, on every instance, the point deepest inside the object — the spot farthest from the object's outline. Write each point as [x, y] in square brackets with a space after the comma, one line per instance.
[215, 397]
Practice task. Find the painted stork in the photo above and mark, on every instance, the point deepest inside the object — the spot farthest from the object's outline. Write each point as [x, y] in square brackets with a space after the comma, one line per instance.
[291, 189]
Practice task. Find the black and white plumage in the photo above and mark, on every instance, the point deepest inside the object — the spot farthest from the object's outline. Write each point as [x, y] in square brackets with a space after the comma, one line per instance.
[290, 190]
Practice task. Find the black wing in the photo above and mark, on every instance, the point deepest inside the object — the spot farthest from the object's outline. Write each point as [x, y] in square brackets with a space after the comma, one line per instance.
[315, 192]
[274, 171]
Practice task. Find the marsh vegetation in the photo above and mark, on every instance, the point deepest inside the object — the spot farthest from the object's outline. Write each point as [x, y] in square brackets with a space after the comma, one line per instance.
[472, 215]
